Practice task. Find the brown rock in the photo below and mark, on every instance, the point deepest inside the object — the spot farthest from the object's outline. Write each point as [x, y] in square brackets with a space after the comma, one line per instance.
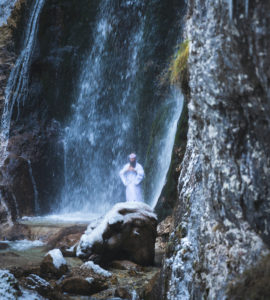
[66, 238]
[3, 246]
[125, 265]
[82, 286]
[18, 232]
[163, 230]
[124, 292]
[164, 227]
[43, 287]
[25, 271]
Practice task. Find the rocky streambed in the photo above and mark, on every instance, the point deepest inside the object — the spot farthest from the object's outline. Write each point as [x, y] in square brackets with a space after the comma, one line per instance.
[43, 258]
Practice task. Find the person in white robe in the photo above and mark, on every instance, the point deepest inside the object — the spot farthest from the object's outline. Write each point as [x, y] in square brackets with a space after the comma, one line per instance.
[132, 175]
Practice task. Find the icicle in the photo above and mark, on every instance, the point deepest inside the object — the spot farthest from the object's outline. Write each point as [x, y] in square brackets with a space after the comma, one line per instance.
[37, 208]
[246, 8]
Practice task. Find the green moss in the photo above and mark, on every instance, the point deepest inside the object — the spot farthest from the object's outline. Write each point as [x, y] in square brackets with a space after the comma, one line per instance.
[253, 284]
[178, 70]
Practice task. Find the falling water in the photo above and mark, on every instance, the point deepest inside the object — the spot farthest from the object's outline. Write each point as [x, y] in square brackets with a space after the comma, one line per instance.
[15, 204]
[37, 208]
[108, 115]
[230, 4]
[18, 80]
[165, 144]
[246, 8]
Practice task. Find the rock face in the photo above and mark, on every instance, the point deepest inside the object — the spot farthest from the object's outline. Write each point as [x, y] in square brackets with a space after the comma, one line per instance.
[122, 234]
[222, 216]
[11, 24]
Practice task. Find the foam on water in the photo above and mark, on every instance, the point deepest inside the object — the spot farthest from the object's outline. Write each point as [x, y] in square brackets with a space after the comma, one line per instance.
[22, 245]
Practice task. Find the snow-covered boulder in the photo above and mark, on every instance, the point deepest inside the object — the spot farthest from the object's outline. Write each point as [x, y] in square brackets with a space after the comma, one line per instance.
[127, 231]
[53, 264]
[40, 285]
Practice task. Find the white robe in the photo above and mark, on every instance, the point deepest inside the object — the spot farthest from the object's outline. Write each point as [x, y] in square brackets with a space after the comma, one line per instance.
[132, 180]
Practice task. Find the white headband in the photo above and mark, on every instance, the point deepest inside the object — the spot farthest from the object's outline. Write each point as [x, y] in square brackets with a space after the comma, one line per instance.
[132, 155]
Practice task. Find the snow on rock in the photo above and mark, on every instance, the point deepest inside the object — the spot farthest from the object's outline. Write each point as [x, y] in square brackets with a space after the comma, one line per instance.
[9, 288]
[96, 269]
[58, 259]
[90, 279]
[34, 281]
[53, 264]
[38, 284]
[121, 233]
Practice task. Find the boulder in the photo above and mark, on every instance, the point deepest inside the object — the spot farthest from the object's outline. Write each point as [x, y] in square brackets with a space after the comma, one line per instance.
[53, 265]
[82, 286]
[128, 231]
[40, 285]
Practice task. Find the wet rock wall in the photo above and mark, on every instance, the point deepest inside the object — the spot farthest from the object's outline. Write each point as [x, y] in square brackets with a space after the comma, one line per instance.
[222, 214]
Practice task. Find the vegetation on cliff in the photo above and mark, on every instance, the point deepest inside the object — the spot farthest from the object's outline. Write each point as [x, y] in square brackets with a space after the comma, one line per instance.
[178, 70]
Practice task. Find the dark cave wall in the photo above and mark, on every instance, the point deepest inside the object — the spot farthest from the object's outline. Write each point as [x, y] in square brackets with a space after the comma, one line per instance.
[64, 34]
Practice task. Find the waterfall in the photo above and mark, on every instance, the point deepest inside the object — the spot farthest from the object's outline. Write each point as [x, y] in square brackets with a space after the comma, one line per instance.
[17, 85]
[165, 144]
[106, 122]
